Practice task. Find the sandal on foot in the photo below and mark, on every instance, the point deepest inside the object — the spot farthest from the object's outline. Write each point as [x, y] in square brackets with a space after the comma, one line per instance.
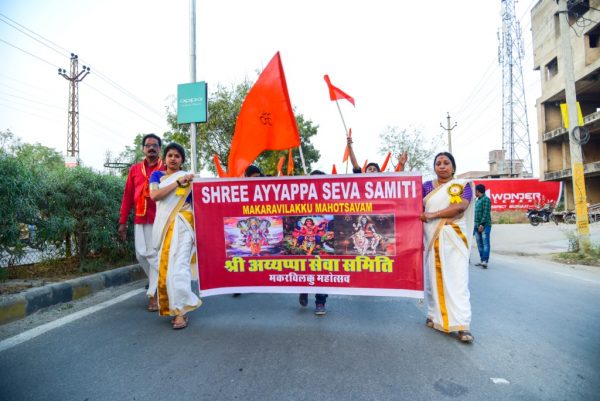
[152, 305]
[465, 336]
[178, 326]
[429, 323]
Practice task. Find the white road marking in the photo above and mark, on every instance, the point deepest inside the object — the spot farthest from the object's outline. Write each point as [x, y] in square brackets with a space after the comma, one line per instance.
[578, 278]
[499, 380]
[30, 334]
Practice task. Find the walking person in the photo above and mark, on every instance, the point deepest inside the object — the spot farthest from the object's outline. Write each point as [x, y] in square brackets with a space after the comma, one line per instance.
[251, 171]
[320, 299]
[174, 237]
[448, 223]
[483, 225]
[136, 193]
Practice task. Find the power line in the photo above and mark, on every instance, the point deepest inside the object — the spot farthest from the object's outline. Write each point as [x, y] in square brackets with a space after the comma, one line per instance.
[96, 71]
[66, 52]
[26, 52]
[25, 33]
[122, 105]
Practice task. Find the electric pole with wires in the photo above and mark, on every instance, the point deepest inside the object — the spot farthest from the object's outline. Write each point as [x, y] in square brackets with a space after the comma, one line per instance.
[75, 76]
[449, 129]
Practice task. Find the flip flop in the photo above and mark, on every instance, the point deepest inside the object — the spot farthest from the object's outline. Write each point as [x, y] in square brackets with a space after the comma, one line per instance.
[153, 306]
[180, 325]
[465, 336]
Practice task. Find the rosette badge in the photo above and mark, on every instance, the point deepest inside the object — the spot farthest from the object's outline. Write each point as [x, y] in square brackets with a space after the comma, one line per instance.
[455, 191]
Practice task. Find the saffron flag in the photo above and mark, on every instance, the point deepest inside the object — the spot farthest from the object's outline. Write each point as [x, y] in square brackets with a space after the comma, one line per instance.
[290, 169]
[280, 166]
[386, 161]
[220, 172]
[347, 151]
[337, 93]
[334, 170]
[266, 120]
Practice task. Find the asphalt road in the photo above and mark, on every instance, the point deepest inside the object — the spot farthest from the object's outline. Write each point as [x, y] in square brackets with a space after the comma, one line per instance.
[535, 323]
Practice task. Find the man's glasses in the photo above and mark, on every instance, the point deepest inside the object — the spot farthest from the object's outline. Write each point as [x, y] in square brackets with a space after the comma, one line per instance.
[152, 145]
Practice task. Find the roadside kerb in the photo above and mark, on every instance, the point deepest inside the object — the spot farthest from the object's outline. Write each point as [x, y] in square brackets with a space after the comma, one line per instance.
[17, 306]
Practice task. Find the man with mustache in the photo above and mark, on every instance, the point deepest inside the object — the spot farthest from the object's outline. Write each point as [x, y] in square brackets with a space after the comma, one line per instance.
[137, 194]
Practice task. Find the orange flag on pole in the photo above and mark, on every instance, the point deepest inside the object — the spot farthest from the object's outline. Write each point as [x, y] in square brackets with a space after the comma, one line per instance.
[280, 166]
[337, 93]
[266, 120]
[347, 151]
[386, 161]
[290, 169]
[334, 170]
[220, 172]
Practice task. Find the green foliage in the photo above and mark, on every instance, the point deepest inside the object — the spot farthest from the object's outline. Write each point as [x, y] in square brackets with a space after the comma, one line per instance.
[131, 155]
[65, 206]
[411, 140]
[19, 198]
[83, 206]
[215, 136]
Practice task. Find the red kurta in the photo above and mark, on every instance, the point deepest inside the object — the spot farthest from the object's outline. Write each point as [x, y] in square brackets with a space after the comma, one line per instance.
[135, 187]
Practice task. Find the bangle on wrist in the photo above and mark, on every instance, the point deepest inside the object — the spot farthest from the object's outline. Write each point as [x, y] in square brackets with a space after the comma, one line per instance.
[178, 183]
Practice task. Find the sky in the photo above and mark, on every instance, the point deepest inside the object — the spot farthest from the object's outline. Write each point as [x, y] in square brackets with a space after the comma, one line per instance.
[407, 64]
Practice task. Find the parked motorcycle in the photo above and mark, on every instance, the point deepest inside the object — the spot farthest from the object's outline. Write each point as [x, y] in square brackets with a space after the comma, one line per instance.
[541, 215]
[570, 217]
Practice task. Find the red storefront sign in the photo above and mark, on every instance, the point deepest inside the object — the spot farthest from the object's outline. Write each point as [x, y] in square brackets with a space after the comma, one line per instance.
[354, 234]
[520, 193]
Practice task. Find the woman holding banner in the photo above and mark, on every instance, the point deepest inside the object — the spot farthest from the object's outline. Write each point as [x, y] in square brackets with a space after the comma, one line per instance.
[448, 219]
[174, 237]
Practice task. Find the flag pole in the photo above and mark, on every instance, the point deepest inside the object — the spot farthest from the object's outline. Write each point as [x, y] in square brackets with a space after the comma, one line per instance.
[345, 128]
[343, 122]
[302, 159]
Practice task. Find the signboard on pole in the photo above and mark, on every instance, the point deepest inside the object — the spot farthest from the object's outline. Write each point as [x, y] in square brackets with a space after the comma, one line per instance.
[192, 103]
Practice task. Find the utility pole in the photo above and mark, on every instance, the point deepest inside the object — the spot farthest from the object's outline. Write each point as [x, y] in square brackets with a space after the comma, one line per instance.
[74, 78]
[193, 77]
[449, 129]
[578, 179]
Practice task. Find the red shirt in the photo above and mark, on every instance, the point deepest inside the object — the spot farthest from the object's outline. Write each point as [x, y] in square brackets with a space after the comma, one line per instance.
[136, 182]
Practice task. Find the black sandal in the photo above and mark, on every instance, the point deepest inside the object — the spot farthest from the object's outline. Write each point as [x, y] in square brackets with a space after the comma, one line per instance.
[429, 323]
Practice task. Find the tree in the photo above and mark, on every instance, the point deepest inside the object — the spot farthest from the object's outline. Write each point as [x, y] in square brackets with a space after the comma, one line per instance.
[411, 140]
[131, 155]
[82, 206]
[215, 136]
[18, 197]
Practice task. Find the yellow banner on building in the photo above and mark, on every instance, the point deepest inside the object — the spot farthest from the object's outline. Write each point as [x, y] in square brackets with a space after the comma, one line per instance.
[565, 115]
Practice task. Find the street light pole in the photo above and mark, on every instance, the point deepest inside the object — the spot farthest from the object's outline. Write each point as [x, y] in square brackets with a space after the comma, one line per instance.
[193, 78]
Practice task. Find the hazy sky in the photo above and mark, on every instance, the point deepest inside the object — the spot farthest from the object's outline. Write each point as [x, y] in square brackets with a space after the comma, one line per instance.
[405, 63]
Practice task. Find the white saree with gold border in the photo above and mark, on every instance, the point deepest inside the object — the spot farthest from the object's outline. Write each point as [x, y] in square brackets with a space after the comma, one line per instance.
[174, 237]
[446, 258]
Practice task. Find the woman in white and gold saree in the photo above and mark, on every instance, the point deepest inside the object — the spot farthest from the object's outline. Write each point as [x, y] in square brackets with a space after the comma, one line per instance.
[448, 228]
[174, 237]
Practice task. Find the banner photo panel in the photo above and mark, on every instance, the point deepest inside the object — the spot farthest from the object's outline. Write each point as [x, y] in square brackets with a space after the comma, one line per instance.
[343, 234]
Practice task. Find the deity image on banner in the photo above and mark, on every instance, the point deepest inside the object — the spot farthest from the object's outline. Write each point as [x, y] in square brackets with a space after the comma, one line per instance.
[308, 235]
[365, 235]
[253, 236]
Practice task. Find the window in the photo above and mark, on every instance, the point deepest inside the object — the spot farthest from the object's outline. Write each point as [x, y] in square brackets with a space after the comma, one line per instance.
[594, 37]
[551, 69]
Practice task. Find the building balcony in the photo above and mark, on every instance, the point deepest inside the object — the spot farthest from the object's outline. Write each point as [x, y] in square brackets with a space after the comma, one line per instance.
[556, 135]
[589, 169]
[591, 121]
